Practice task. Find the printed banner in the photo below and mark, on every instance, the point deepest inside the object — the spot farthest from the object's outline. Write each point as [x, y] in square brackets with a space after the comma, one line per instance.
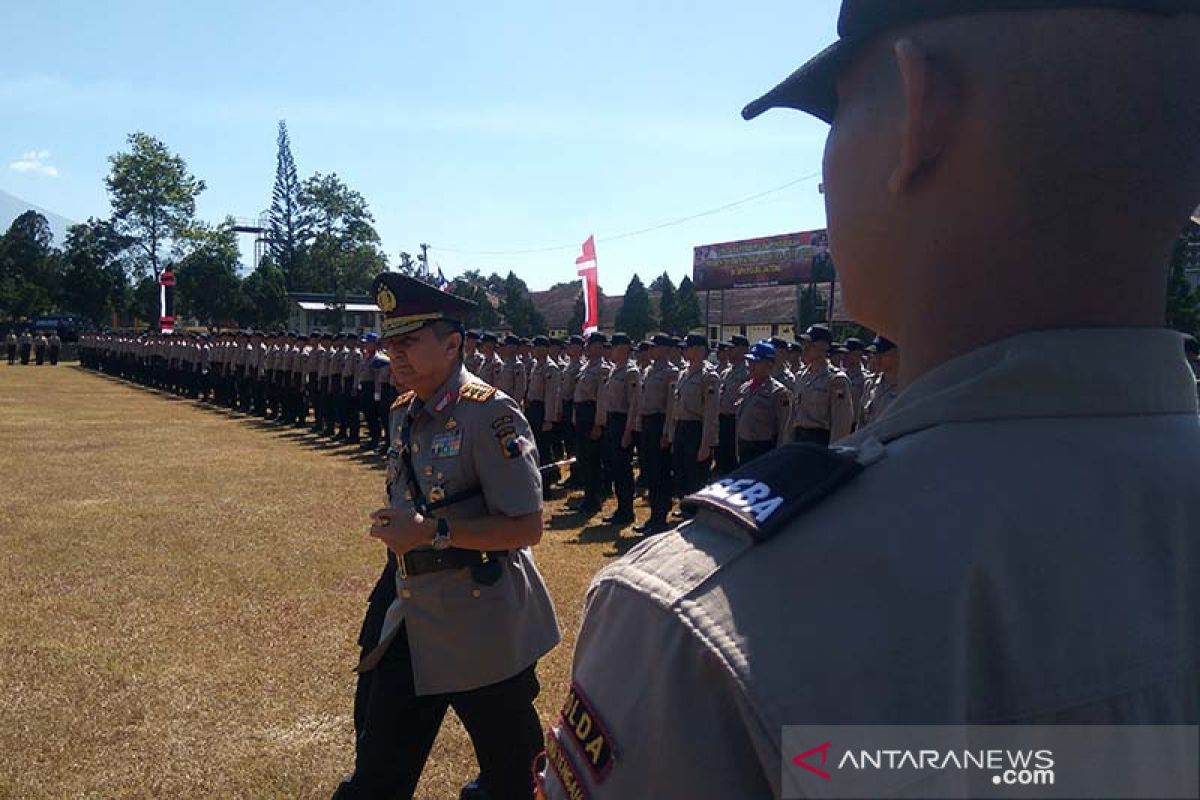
[772, 261]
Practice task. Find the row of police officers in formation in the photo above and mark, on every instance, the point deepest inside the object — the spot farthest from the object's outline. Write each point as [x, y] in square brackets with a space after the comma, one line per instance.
[282, 377]
[682, 407]
[40, 347]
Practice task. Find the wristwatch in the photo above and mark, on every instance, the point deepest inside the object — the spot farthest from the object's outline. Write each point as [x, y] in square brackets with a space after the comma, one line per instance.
[441, 539]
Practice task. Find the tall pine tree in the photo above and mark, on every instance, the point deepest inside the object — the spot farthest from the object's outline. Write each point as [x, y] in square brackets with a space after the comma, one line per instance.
[636, 316]
[687, 307]
[285, 209]
[666, 304]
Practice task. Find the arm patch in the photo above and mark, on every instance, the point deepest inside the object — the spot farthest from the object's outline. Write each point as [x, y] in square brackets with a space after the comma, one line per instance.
[476, 392]
[770, 491]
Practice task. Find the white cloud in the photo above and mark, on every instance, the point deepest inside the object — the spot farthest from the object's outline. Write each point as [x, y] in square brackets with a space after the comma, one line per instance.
[36, 161]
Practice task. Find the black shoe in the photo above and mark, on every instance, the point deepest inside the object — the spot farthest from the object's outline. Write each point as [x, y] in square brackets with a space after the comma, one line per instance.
[619, 518]
[588, 509]
[652, 527]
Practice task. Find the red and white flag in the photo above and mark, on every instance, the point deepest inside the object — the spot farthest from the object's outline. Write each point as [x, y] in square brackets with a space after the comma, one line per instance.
[586, 264]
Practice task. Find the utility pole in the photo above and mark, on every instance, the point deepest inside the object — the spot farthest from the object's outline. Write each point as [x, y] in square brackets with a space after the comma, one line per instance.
[425, 259]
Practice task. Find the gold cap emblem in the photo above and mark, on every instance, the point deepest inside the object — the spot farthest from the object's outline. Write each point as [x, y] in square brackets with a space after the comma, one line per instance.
[385, 300]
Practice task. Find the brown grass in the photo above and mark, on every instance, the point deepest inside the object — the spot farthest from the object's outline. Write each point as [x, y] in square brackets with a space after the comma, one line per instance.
[180, 593]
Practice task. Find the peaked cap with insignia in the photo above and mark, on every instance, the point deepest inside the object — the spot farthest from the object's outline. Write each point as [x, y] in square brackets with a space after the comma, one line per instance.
[409, 304]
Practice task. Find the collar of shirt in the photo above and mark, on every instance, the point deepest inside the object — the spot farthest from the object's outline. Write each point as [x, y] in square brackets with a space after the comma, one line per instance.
[444, 399]
[1111, 372]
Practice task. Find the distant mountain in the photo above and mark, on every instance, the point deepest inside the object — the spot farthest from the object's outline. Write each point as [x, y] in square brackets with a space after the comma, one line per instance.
[13, 207]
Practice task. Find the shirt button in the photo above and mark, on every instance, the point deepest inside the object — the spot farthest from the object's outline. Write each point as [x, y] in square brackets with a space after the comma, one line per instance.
[475, 593]
[406, 593]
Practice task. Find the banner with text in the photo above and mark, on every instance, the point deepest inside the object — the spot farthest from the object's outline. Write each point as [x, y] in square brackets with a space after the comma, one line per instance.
[790, 258]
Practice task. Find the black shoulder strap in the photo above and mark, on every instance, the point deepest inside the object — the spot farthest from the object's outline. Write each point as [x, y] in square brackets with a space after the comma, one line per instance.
[774, 488]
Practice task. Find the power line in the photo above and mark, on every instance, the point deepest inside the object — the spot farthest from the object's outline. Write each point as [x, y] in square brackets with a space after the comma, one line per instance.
[637, 232]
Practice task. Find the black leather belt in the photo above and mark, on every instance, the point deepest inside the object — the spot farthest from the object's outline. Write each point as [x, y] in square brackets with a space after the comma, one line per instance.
[422, 562]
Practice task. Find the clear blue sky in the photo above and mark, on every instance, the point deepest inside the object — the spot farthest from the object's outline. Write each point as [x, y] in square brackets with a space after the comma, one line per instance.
[470, 126]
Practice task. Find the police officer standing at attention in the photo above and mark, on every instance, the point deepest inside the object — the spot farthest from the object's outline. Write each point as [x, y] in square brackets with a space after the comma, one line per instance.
[55, 347]
[654, 452]
[617, 412]
[460, 615]
[886, 387]
[511, 379]
[26, 342]
[1045, 569]
[822, 404]
[587, 426]
[732, 379]
[10, 344]
[489, 368]
[472, 358]
[542, 401]
[692, 425]
[763, 406]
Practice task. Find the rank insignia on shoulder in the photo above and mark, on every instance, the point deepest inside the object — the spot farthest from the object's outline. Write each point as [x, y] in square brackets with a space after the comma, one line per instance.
[403, 400]
[774, 488]
[477, 392]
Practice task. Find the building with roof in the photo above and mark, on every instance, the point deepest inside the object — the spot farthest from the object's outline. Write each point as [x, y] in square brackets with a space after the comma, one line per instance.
[325, 312]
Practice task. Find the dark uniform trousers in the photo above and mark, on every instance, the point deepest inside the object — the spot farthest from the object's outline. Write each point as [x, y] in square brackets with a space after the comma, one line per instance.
[811, 436]
[726, 444]
[619, 459]
[53, 356]
[370, 412]
[589, 453]
[386, 398]
[656, 466]
[25, 354]
[748, 451]
[395, 728]
[690, 474]
[12, 354]
[332, 403]
[41, 355]
[536, 414]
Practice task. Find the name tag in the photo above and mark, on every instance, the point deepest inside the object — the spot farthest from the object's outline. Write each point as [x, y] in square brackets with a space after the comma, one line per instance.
[447, 444]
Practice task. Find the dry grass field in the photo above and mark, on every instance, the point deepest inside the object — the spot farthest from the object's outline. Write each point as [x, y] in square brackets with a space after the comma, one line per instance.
[180, 592]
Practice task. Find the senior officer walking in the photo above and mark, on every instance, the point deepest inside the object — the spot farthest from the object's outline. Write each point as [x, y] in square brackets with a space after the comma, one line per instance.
[1045, 569]
[460, 615]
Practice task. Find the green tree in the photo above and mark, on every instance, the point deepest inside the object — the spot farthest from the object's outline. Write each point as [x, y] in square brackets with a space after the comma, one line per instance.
[1183, 302]
[636, 316]
[666, 304]
[207, 285]
[341, 254]
[575, 326]
[153, 196]
[95, 282]
[472, 286]
[30, 267]
[265, 292]
[144, 306]
[284, 215]
[518, 309]
[687, 308]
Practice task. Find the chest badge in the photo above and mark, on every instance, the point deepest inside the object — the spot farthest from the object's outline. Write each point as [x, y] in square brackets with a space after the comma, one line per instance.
[447, 444]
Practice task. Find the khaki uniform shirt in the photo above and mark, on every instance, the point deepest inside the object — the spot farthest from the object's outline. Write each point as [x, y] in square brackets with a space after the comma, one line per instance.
[784, 375]
[764, 412]
[591, 378]
[697, 399]
[655, 396]
[474, 363]
[512, 379]
[489, 370]
[464, 635]
[858, 391]
[570, 376]
[731, 381]
[883, 392]
[1044, 571]
[619, 395]
[822, 400]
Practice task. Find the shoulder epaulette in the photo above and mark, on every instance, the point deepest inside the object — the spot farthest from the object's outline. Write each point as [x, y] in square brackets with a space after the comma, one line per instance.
[478, 392]
[773, 489]
[403, 400]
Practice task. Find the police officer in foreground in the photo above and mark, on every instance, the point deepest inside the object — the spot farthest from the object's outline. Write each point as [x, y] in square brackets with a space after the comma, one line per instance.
[460, 615]
[1045, 568]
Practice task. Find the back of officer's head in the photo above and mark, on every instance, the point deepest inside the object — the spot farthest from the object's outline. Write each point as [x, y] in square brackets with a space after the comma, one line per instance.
[1021, 169]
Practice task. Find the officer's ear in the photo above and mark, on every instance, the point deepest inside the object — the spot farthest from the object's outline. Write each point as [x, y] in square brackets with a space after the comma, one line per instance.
[930, 104]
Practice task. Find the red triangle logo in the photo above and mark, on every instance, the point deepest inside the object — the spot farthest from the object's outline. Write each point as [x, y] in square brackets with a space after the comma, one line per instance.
[823, 749]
